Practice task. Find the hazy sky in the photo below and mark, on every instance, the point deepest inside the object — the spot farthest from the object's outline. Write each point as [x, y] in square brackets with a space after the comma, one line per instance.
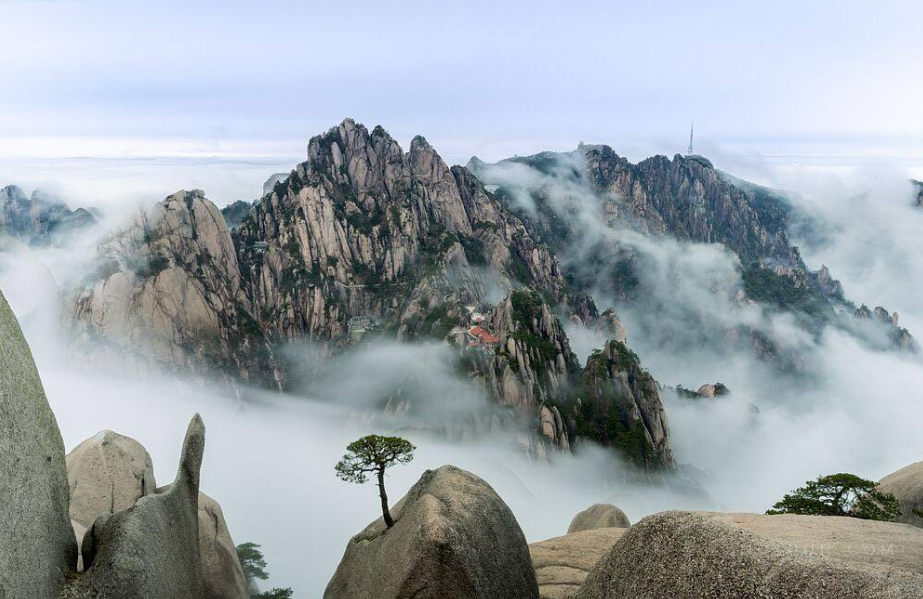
[493, 78]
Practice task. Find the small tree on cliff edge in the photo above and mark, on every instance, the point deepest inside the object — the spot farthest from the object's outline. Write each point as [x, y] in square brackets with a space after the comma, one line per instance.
[373, 455]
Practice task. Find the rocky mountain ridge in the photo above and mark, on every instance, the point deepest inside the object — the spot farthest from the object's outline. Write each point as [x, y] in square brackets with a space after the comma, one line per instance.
[360, 237]
[363, 229]
[40, 219]
[366, 238]
[583, 203]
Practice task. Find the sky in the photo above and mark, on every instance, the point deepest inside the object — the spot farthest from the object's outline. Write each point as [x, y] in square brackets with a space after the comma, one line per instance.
[251, 79]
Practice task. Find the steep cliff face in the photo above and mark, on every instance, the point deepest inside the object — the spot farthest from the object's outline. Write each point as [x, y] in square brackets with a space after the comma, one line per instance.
[612, 401]
[533, 362]
[363, 229]
[687, 198]
[39, 219]
[167, 289]
[619, 406]
[918, 191]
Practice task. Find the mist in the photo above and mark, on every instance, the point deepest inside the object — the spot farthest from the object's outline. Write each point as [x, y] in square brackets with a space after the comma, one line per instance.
[850, 407]
[269, 462]
[269, 457]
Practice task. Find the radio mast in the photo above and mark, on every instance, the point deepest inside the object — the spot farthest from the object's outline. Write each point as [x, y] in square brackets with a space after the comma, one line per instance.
[691, 131]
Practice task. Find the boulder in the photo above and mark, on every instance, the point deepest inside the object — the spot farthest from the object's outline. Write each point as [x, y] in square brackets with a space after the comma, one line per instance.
[907, 485]
[37, 546]
[109, 472]
[453, 538]
[106, 473]
[151, 549]
[221, 571]
[562, 563]
[600, 515]
[687, 554]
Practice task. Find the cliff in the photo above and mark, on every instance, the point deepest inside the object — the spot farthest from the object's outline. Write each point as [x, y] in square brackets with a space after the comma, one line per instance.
[167, 290]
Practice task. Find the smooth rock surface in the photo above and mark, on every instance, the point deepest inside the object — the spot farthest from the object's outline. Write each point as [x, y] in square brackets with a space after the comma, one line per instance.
[107, 473]
[453, 538]
[907, 485]
[37, 546]
[600, 515]
[687, 554]
[562, 563]
[150, 550]
[223, 576]
[882, 544]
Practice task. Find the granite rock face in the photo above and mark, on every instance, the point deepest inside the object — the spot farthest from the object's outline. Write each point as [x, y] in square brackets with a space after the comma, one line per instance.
[109, 473]
[151, 549]
[168, 292]
[562, 563]
[689, 199]
[685, 554]
[37, 546]
[612, 401]
[534, 361]
[106, 473]
[906, 485]
[453, 538]
[221, 571]
[624, 396]
[600, 515]
[363, 229]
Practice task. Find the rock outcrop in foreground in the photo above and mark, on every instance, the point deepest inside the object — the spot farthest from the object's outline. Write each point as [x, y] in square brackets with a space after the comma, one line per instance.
[907, 485]
[109, 473]
[224, 578]
[562, 563]
[685, 554]
[37, 546]
[151, 549]
[600, 515]
[453, 538]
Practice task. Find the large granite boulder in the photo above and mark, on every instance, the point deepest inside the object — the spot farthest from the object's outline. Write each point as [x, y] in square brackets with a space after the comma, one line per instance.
[600, 515]
[907, 485]
[106, 473]
[453, 538]
[686, 554]
[37, 546]
[562, 563]
[151, 549]
[224, 577]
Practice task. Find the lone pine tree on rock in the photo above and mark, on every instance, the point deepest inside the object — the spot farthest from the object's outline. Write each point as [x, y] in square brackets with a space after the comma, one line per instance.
[840, 495]
[373, 455]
